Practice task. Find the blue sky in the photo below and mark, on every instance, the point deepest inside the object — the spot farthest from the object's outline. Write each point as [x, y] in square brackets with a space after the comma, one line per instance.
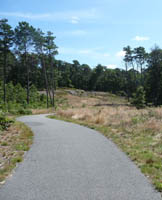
[91, 31]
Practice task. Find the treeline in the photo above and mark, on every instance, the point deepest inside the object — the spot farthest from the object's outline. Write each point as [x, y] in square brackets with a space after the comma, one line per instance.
[27, 57]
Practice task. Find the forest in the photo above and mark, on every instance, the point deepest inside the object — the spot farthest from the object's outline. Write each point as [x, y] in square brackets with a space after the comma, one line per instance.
[28, 64]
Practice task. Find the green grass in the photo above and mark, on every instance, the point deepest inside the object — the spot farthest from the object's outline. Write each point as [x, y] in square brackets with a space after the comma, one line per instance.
[22, 146]
[4, 144]
[16, 160]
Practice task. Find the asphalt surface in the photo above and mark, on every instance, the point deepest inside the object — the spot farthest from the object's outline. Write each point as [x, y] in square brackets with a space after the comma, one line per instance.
[71, 162]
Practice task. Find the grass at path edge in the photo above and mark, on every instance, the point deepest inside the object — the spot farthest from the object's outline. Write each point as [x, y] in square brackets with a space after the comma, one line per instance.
[20, 138]
[146, 168]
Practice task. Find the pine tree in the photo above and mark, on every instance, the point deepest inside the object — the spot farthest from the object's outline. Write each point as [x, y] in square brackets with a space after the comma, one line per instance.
[138, 99]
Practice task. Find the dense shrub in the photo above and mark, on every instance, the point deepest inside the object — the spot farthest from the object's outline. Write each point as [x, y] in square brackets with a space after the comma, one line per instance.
[16, 99]
[23, 111]
[4, 122]
[138, 99]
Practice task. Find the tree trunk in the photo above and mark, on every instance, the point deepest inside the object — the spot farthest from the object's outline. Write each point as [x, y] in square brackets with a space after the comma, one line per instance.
[47, 97]
[4, 77]
[52, 83]
[28, 86]
[141, 75]
[46, 81]
[127, 90]
[53, 89]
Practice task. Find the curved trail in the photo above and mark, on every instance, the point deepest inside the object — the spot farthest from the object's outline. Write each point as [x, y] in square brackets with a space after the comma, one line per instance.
[71, 162]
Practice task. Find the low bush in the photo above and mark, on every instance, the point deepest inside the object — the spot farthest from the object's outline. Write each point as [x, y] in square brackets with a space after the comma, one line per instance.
[23, 111]
[16, 99]
[5, 122]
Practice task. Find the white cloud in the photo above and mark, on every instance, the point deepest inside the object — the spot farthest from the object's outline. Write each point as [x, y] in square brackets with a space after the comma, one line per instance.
[92, 53]
[25, 15]
[111, 66]
[120, 54]
[74, 20]
[71, 16]
[139, 38]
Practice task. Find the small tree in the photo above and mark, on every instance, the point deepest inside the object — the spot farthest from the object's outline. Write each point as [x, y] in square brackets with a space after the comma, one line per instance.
[20, 94]
[33, 94]
[10, 94]
[138, 99]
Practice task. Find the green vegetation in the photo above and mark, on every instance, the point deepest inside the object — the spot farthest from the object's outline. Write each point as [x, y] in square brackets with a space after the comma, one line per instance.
[4, 122]
[27, 61]
[16, 100]
[138, 99]
[14, 141]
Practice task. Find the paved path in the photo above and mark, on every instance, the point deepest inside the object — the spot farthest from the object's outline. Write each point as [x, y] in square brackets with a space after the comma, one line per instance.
[71, 162]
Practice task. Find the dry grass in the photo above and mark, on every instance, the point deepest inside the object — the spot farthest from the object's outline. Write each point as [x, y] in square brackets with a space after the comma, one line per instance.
[77, 102]
[102, 115]
[13, 143]
[42, 111]
[137, 132]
